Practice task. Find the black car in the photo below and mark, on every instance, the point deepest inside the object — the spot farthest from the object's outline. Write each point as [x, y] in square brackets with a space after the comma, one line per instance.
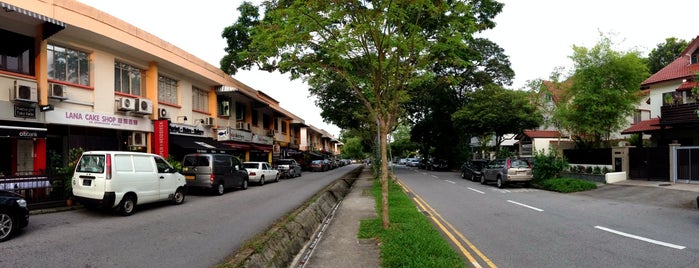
[473, 169]
[14, 214]
[434, 163]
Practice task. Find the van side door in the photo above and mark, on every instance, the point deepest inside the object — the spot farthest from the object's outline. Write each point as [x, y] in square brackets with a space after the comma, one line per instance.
[239, 171]
[144, 177]
[168, 179]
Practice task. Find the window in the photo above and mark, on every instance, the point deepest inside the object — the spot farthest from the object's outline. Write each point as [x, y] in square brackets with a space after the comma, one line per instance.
[200, 99]
[240, 111]
[265, 120]
[694, 59]
[68, 65]
[276, 124]
[637, 117]
[16, 56]
[167, 89]
[254, 117]
[127, 79]
[283, 127]
[224, 106]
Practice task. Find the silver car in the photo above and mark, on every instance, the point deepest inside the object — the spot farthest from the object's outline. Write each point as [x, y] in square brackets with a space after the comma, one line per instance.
[507, 170]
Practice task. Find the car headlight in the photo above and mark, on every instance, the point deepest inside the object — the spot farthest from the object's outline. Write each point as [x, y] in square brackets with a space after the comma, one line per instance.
[22, 203]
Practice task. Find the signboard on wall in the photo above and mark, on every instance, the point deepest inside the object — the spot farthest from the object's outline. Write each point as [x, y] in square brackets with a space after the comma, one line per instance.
[100, 120]
[161, 135]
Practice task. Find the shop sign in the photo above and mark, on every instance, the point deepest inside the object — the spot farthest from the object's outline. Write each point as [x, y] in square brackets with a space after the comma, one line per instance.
[161, 137]
[101, 120]
[267, 140]
[231, 134]
[186, 130]
[25, 112]
[276, 149]
[22, 132]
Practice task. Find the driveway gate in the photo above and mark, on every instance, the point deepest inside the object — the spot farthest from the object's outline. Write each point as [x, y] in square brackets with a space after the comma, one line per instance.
[649, 163]
[687, 170]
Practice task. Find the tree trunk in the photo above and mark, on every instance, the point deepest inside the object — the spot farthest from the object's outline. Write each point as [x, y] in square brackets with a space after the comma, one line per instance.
[384, 173]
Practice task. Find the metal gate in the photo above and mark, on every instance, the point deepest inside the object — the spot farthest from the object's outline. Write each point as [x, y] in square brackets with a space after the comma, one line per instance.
[649, 163]
[687, 170]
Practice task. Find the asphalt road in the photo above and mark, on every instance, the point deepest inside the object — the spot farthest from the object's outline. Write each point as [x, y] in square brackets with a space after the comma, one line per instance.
[522, 227]
[202, 232]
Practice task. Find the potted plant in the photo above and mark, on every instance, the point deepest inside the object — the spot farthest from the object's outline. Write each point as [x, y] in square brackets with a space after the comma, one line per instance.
[66, 173]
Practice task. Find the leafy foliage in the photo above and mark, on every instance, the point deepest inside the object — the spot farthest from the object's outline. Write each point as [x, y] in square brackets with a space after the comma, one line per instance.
[353, 148]
[665, 53]
[567, 185]
[604, 90]
[548, 166]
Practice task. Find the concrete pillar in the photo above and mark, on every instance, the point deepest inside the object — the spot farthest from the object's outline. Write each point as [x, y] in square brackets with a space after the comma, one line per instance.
[673, 161]
[620, 159]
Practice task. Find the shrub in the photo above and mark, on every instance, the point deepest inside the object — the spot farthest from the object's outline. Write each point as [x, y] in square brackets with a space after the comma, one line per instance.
[596, 170]
[549, 165]
[581, 169]
[567, 185]
[588, 170]
[605, 170]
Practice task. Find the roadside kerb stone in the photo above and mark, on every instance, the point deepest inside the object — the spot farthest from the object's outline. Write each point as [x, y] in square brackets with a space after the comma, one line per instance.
[277, 246]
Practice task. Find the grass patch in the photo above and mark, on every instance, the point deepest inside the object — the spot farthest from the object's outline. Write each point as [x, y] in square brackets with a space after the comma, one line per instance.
[411, 240]
[567, 185]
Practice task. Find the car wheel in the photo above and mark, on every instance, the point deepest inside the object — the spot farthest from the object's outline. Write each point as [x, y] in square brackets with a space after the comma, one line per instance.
[179, 196]
[483, 180]
[262, 180]
[7, 225]
[300, 173]
[127, 207]
[276, 178]
[220, 189]
[499, 182]
[473, 177]
[245, 185]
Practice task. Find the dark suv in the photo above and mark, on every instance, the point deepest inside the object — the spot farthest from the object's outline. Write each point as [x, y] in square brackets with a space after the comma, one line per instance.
[14, 214]
[473, 169]
[216, 172]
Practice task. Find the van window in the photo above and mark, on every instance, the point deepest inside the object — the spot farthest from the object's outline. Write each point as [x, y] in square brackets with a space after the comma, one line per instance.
[162, 165]
[222, 161]
[91, 164]
[192, 160]
[142, 163]
[122, 163]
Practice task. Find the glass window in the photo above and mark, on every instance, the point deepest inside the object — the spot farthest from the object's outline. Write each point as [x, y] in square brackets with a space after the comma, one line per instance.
[254, 117]
[127, 79]
[17, 53]
[200, 99]
[224, 106]
[265, 120]
[240, 111]
[163, 166]
[69, 65]
[283, 127]
[167, 89]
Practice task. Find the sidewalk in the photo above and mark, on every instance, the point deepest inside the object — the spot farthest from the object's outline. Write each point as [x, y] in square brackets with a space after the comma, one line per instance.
[339, 245]
[655, 193]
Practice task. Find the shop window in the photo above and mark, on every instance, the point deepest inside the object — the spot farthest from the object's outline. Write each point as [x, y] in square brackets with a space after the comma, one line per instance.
[16, 56]
[69, 65]
[127, 79]
[200, 99]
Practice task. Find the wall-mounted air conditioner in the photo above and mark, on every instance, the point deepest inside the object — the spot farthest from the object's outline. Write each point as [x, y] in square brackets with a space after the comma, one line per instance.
[242, 125]
[58, 91]
[24, 91]
[208, 121]
[144, 106]
[126, 104]
[271, 132]
[137, 139]
[163, 114]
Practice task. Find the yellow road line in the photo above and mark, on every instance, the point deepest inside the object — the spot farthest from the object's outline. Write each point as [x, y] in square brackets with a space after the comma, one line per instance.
[426, 207]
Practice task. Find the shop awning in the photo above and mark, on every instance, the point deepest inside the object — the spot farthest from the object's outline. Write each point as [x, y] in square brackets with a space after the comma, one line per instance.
[50, 25]
[22, 132]
[199, 144]
[259, 147]
[237, 145]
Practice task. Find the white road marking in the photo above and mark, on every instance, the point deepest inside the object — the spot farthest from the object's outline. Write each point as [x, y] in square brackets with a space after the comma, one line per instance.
[480, 192]
[450, 181]
[640, 238]
[526, 206]
[433, 176]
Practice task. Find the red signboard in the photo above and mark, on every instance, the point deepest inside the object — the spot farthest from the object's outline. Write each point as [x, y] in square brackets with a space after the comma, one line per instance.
[161, 132]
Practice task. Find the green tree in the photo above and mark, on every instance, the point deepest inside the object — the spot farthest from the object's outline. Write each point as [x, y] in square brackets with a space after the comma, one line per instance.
[376, 48]
[497, 111]
[604, 91]
[353, 149]
[665, 53]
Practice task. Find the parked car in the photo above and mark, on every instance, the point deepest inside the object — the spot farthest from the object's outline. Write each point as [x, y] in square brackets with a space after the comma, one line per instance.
[508, 170]
[412, 162]
[317, 165]
[473, 169]
[288, 168]
[215, 172]
[14, 214]
[259, 172]
[402, 161]
[434, 163]
[326, 164]
[121, 180]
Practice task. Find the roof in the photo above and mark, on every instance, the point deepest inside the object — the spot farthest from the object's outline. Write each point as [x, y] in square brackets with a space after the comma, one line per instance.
[542, 134]
[643, 126]
[679, 68]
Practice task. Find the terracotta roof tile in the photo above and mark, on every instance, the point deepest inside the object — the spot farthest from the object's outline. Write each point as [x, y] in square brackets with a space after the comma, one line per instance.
[542, 134]
[643, 126]
[679, 68]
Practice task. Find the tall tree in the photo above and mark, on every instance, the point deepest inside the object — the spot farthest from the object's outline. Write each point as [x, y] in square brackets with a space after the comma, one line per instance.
[376, 48]
[665, 53]
[604, 90]
[496, 111]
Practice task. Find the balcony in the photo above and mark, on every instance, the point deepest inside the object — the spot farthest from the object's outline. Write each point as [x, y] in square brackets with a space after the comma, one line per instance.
[679, 114]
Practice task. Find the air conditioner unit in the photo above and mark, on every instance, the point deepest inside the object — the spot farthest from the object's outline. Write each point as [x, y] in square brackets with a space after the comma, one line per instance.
[242, 125]
[24, 91]
[163, 114]
[144, 106]
[126, 104]
[208, 121]
[137, 139]
[58, 91]
[271, 132]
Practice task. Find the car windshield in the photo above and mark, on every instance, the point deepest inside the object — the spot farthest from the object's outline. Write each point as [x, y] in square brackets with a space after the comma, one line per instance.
[251, 165]
[91, 163]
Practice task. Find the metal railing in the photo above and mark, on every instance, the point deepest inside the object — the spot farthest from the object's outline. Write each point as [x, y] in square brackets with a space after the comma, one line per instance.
[41, 190]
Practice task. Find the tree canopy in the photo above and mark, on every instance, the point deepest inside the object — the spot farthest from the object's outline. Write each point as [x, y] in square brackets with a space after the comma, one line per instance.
[665, 53]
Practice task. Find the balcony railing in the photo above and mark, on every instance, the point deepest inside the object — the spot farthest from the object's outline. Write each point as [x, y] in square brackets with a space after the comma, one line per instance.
[679, 113]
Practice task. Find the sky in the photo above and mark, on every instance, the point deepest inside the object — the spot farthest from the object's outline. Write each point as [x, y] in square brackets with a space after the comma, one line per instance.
[537, 35]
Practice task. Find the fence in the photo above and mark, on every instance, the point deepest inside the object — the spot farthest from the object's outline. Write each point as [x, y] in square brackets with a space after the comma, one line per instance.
[40, 190]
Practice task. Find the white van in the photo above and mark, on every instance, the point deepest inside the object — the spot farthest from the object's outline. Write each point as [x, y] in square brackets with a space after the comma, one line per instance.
[120, 180]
